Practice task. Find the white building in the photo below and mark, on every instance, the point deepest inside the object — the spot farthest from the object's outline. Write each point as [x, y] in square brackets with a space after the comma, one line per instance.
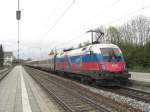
[8, 58]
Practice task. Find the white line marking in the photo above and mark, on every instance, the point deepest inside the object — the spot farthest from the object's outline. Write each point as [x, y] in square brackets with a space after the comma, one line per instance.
[25, 100]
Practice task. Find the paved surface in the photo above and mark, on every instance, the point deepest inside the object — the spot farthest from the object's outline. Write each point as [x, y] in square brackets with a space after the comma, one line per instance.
[140, 76]
[3, 70]
[20, 93]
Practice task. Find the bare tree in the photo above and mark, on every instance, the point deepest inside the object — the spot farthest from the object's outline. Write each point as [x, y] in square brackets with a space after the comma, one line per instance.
[80, 45]
[137, 31]
[113, 35]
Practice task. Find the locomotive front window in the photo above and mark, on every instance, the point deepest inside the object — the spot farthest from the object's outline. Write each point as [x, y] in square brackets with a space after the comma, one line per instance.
[111, 54]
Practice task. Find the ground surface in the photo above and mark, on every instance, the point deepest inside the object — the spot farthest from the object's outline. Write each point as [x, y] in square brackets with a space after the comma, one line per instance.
[20, 93]
[140, 76]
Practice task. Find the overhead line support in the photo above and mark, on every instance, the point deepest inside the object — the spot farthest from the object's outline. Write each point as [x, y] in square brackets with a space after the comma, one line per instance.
[18, 17]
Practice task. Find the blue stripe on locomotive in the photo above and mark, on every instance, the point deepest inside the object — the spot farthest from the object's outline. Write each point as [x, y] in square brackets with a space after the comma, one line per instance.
[84, 58]
[80, 58]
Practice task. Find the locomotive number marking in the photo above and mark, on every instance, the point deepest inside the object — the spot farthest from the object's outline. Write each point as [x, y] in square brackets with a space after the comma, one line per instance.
[114, 65]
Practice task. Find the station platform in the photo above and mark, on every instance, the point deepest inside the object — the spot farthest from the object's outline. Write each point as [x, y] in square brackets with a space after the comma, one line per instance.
[19, 92]
[2, 70]
[137, 76]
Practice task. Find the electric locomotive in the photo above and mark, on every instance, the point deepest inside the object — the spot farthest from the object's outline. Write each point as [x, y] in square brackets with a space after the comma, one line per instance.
[100, 63]
[103, 63]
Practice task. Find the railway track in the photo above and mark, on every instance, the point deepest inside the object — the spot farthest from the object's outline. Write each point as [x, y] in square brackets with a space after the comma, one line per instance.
[138, 95]
[69, 99]
[4, 72]
[129, 92]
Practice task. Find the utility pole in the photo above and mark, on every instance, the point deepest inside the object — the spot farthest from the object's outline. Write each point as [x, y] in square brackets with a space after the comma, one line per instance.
[18, 17]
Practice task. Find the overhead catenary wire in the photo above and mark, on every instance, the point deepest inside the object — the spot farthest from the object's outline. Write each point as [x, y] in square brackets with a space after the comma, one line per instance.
[56, 22]
[113, 4]
[79, 36]
[108, 22]
[129, 14]
[54, 11]
[51, 15]
[100, 13]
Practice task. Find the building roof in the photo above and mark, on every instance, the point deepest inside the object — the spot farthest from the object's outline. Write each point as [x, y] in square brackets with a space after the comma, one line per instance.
[8, 54]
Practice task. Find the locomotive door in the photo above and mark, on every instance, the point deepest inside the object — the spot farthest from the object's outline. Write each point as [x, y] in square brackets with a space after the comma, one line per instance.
[86, 59]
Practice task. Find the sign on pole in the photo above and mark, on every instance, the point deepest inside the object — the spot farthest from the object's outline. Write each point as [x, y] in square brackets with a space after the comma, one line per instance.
[18, 15]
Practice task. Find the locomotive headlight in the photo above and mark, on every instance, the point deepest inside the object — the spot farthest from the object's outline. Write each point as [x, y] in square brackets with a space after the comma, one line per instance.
[102, 67]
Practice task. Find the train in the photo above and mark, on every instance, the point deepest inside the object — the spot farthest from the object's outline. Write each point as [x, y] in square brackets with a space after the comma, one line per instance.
[97, 63]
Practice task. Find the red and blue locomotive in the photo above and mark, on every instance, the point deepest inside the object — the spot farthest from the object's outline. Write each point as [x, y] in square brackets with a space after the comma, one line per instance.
[102, 63]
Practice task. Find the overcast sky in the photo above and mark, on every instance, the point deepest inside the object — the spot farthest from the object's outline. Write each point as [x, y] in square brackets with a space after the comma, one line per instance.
[46, 24]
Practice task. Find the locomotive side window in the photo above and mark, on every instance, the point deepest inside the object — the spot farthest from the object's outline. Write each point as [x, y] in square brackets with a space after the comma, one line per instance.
[111, 54]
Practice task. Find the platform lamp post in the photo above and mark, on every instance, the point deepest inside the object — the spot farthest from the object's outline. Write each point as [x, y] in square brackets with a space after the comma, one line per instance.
[18, 17]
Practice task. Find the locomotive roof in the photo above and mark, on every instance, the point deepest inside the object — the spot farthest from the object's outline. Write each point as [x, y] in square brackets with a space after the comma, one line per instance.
[80, 51]
[105, 45]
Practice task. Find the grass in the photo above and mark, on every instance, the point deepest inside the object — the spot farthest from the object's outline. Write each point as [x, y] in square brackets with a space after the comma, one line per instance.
[139, 69]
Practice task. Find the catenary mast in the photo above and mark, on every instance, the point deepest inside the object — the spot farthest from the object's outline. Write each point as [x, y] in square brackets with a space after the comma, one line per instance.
[18, 17]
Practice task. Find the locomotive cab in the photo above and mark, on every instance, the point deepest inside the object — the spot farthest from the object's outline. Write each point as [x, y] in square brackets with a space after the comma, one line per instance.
[112, 60]
[111, 64]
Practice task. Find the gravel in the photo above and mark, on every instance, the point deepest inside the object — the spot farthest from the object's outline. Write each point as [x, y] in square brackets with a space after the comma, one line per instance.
[145, 107]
